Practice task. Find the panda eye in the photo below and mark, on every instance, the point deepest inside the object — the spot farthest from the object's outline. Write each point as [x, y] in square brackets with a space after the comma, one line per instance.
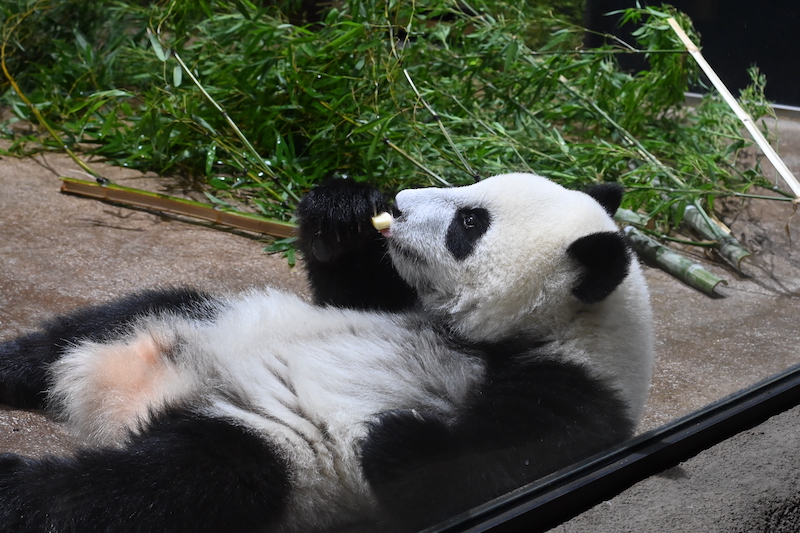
[468, 220]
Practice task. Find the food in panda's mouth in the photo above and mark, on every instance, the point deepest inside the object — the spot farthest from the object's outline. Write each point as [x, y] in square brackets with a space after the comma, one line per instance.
[382, 221]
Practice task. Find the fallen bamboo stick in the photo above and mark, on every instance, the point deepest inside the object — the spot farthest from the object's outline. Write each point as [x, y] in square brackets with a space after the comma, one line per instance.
[632, 217]
[673, 263]
[727, 245]
[178, 206]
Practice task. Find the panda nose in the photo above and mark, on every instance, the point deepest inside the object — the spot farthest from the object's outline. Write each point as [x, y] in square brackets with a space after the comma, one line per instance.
[396, 213]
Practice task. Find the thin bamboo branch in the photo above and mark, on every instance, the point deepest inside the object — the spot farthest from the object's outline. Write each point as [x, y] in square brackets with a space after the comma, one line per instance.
[391, 145]
[438, 119]
[629, 138]
[39, 117]
[419, 165]
[748, 122]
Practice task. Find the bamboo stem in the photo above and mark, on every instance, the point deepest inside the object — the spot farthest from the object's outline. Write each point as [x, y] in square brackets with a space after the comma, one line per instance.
[632, 217]
[748, 122]
[673, 263]
[729, 248]
[39, 117]
[178, 206]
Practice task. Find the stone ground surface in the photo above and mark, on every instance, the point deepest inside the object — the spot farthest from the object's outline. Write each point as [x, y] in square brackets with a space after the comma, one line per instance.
[58, 252]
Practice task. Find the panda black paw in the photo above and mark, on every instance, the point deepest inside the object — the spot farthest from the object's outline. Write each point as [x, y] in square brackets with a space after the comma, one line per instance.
[335, 217]
[409, 458]
[403, 444]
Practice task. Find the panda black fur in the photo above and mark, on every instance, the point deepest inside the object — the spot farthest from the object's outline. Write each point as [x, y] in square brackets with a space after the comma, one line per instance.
[500, 332]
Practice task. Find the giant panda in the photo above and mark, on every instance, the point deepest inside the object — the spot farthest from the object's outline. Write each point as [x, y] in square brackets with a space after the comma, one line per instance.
[493, 334]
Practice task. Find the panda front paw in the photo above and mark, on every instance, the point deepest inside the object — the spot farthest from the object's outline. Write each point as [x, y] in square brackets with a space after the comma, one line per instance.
[335, 217]
[411, 461]
[404, 441]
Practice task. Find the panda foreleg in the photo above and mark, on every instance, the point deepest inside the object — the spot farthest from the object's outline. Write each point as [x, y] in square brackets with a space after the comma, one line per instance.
[347, 260]
[186, 473]
[24, 361]
[411, 460]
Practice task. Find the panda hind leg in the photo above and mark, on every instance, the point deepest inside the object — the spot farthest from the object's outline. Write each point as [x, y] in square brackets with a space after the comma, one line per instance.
[106, 391]
[187, 472]
[25, 360]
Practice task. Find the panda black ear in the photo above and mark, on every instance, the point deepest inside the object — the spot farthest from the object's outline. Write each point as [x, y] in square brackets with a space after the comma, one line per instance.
[604, 259]
[609, 195]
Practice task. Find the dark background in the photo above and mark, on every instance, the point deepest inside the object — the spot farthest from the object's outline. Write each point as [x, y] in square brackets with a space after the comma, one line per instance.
[735, 35]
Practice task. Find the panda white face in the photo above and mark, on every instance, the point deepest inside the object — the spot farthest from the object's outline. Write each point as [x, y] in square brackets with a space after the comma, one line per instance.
[492, 258]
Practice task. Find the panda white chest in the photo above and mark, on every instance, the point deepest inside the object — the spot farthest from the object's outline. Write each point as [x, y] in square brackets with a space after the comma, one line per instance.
[336, 365]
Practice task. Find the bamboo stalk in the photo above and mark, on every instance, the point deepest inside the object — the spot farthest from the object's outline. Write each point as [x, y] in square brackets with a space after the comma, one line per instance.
[728, 247]
[178, 206]
[673, 263]
[39, 117]
[632, 217]
[748, 122]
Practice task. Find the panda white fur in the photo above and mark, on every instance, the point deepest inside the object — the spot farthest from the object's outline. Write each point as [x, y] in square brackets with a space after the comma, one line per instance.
[505, 334]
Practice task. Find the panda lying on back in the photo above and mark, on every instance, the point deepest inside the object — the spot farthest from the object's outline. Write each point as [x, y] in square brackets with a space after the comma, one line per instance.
[506, 334]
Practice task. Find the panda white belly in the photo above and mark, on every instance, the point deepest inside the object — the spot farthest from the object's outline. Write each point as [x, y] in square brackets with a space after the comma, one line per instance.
[308, 378]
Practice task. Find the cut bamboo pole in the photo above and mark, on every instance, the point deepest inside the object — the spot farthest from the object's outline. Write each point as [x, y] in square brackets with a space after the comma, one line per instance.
[673, 263]
[632, 217]
[748, 122]
[178, 206]
[727, 245]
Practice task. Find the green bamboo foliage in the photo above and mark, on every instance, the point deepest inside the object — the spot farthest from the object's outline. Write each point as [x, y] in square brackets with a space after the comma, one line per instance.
[259, 101]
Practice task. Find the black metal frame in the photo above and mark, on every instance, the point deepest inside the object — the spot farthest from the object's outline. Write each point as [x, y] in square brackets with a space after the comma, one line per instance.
[565, 494]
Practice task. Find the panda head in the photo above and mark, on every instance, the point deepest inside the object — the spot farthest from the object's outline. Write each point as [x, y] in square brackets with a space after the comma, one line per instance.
[515, 253]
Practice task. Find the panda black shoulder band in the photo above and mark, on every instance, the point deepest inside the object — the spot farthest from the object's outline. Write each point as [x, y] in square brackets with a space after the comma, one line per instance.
[563, 495]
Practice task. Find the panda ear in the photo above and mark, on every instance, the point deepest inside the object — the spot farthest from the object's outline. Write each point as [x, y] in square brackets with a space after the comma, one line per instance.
[604, 259]
[609, 195]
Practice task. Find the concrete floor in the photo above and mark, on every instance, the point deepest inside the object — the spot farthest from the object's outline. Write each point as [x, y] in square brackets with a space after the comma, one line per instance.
[58, 252]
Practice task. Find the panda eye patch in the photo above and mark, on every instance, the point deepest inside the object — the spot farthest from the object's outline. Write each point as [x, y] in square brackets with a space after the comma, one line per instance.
[466, 228]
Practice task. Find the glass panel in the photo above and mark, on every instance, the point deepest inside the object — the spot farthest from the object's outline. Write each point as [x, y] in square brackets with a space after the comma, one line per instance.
[708, 348]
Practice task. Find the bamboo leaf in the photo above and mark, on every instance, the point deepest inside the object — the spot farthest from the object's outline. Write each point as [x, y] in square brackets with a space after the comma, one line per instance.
[157, 48]
[177, 76]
